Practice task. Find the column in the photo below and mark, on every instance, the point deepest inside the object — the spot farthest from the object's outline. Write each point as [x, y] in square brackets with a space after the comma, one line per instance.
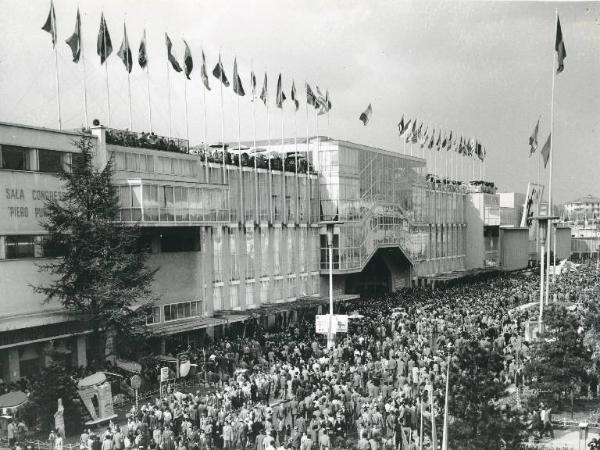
[81, 351]
[14, 367]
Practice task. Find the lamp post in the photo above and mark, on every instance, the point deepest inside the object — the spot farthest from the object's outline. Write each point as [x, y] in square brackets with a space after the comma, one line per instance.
[330, 332]
[543, 223]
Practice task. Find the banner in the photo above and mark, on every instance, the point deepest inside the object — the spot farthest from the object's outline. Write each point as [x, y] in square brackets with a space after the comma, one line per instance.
[533, 200]
[339, 323]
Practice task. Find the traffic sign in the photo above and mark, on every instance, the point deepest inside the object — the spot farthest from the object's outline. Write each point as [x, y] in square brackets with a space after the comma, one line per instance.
[136, 382]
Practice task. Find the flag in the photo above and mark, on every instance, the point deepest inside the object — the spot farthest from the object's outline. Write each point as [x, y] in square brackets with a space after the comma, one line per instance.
[479, 150]
[366, 115]
[546, 150]
[75, 40]
[188, 62]
[219, 72]
[237, 82]
[401, 126]
[294, 97]
[311, 99]
[170, 55]
[415, 132]
[50, 25]
[264, 93]
[432, 140]
[559, 46]
[438, 144]
[533, 139]
[103, 44]
[142, 53]
[327, 100]
[124, 52]
[450, 144]
[280, 98]
[321, 101]
[253, 85]
[203, 72]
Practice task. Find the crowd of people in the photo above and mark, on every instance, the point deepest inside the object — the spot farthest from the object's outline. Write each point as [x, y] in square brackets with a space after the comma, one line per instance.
[377, 388]
[287, 391]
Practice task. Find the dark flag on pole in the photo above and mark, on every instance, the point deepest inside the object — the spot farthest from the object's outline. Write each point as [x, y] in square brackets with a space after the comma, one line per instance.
[294, 96]
[219, 72]
[366, 115]
[124, 52]
[170, 55]
[74, 40]
[237, 82]
[103, 44]
[50, 25]
[203, 72]
[327, 101]
[546, 150]
[252, 86]
[280, 98]
[533, 139]
[188, 62]
[311, 99]
[559, 46]
[142, 53]
[264, 93]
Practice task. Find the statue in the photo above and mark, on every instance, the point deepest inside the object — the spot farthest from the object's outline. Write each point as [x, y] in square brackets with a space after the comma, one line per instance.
[59, 419]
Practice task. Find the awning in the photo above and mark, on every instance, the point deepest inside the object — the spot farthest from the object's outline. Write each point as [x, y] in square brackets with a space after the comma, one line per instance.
[13, 399]
[182, 326]
[92, 380]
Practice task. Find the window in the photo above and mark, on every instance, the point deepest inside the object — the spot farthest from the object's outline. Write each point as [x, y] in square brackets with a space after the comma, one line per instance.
[50, 161]
[179, 240]
[154, 316]
[15, 158]
[177, 311]
[18, 247]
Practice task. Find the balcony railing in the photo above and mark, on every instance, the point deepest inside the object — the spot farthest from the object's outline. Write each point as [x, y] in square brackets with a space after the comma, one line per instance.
[142, 139]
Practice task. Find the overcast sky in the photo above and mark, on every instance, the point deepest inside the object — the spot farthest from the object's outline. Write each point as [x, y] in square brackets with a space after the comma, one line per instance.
[481, 69]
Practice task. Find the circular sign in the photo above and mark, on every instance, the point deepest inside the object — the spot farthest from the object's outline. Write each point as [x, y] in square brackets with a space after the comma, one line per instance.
[136, 382]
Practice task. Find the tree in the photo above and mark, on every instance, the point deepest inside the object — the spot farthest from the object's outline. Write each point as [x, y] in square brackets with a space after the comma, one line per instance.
[52, 383]
[102, 272]
[478, 421]
[559, 360]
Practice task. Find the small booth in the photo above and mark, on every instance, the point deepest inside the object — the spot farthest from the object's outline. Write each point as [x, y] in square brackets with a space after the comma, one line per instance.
[9, 405]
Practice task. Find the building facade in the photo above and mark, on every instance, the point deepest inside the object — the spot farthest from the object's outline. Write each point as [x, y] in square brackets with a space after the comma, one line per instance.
[236, 236]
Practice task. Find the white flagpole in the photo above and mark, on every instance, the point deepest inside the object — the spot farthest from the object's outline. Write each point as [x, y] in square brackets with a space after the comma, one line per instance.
[308, 157]
[269, 159]
[106, 72]
[242, 219]
[222, 116]
[550, 168]
[445, 430]
[253, 86]
[129, 94]
[169, 94]
[85, 108]
[296, 157]
[56, 73]
[204, 128]
[187, 124]
[149, 101]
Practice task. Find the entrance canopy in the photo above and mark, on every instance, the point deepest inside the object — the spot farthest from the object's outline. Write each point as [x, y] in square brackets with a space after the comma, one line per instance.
[12, 400]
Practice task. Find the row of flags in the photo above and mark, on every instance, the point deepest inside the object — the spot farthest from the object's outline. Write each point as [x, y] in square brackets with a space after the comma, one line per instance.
[561, 54]
[415, 134]
[104, 48]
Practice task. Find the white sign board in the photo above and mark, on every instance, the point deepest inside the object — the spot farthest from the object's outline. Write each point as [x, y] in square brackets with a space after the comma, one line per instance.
[339, 323]
[164, 374]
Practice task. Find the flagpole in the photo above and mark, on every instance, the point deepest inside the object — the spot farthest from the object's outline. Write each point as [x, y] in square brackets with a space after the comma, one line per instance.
[269, 159]
[149, 101]
[106, 72]
[129, 94]
[187, 125]
[52, 17]
[308, 156]
[85, 108]
[204, 128]
[253, 85]
[169, 94]
[242, 217]
[296, 157]
[552, 137]
[222, 116]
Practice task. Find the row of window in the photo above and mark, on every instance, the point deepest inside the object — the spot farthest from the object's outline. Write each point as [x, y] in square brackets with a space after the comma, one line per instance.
[13, 157]
[175, 311]
[27, 246]
[137, 162]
